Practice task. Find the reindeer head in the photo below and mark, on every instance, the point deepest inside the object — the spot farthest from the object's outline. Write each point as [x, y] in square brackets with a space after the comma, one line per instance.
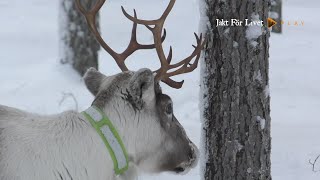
[144, 116]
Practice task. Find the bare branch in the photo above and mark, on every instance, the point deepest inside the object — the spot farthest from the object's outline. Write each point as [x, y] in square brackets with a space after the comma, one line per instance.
[314, 163]
[69, 95]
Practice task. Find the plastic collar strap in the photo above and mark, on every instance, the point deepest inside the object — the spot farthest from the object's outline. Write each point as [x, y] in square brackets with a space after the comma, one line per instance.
[110, 137]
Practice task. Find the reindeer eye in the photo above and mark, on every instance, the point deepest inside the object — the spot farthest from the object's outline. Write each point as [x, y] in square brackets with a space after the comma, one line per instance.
[169, 109]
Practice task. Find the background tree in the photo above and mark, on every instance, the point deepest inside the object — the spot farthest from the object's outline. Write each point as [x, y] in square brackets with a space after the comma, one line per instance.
[78, 46]
[276, 14]
[235, 92]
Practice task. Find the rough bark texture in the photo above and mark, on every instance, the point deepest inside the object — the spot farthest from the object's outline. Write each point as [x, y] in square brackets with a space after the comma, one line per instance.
[236, 102]
[276, 14]
[78, 46]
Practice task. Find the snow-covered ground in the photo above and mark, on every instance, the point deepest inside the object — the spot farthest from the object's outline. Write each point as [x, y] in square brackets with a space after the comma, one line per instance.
[32, 79]
[295, 93]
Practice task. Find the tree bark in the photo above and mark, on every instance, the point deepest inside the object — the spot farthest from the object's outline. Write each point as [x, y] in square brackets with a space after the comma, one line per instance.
[276, 14]
[78, 46]
[235, 93]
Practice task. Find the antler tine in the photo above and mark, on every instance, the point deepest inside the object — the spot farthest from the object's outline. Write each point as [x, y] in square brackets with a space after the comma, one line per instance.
[169, 58]
[98, 6]
[172, 83]
[195, 53]
[156, 31]
[133, 44]
[94, 10]
[162, 73]
[91, 20]
[185, 66]
[151, 22]
[91, 14]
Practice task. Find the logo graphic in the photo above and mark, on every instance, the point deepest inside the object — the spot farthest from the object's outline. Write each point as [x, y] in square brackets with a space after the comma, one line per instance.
[271, 22]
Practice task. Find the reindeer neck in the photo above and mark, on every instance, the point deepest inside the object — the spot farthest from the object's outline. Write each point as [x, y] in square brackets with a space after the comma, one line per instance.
[109, 135]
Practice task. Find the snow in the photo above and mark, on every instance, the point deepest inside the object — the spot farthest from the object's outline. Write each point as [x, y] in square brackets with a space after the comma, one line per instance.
[262, 122]
[255, 31]
[257, 76]
[204, 23]
[273, 2]
[239, 145]
[266, 91]
[226, 31]
[294, 90]
[33, 79]
[273, 15]
[235, 44]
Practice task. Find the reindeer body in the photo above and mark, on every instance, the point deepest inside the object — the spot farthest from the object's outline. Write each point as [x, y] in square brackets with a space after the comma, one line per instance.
[66, 146]
[62, 146]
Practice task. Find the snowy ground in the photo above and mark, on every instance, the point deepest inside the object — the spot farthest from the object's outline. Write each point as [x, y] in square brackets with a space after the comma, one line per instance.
[32, 79]
[295, 93]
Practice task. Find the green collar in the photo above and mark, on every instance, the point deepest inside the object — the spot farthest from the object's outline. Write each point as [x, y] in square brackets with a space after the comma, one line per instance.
[109, 135]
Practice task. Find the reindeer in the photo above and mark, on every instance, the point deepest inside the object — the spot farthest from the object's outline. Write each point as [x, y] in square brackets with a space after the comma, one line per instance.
[130, 126]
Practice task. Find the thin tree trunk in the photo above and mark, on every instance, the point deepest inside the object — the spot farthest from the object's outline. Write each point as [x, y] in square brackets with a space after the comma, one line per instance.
[78, 46]
[276, 14]
[235, 92]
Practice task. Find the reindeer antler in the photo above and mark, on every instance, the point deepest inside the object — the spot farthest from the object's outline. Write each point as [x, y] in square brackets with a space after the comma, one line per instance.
[184, 66]
[133, 44]
[162, 74]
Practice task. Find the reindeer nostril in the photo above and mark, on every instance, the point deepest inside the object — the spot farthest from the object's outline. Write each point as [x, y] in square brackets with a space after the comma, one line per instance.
[179, 169]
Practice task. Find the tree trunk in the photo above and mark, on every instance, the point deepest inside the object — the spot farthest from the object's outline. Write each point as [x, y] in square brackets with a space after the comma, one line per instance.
[78, 46]
[235, 93]
[276, 14]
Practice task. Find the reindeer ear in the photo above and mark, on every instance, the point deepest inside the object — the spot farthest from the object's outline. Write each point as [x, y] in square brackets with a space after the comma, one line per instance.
[141, 86]
[93, 80]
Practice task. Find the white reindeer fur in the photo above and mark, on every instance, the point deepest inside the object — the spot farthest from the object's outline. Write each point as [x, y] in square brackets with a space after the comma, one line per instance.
[41, 147]
[65, 146]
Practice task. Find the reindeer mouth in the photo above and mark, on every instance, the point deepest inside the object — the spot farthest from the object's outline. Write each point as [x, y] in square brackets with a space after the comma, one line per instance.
[183, 168]
[179, 170]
